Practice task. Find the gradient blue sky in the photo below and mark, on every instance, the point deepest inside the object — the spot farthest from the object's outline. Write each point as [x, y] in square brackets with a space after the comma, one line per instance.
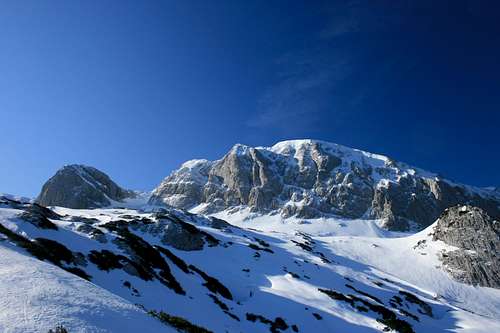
[135, 88]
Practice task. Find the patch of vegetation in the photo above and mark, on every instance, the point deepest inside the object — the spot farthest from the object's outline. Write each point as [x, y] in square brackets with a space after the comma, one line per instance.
[106, 260]
[220, 224]
[49, 250]
[188, 227]
[254, 247]
[217, 301]
[408, 314]
[396, 299]
[232, 315]
[79, 272]
[212, 241]
[386, 316]
[83, 219]
[177, 322]
[308, 239]
[275, 325]
[56, 252]
[59, 329]
[295, 275]
[303, 246]
[146, 259]
[258, 248]
[396, 324]
[25, 243]
[213, 284]
[139, 221]
[116, 225]
[364, 294]
[42, 248]
[93, 232]
[425, 308]
[323, 257]
[181, 264]
[39, 216]
[223, 306]
[261, 242]
[128, 285]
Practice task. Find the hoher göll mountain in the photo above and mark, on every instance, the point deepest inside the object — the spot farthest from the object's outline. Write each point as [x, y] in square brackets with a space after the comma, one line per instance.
[333, 238]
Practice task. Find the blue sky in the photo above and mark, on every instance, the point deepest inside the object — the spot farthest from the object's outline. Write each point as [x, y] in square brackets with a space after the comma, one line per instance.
[135, 88]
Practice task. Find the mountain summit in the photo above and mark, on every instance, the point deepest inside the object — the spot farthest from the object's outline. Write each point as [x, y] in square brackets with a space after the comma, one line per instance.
[310, 178]
[80, 186]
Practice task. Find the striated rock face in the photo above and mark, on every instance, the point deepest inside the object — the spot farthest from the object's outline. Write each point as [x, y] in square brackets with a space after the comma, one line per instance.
[79, 186]
[307, 179]
[477, 237]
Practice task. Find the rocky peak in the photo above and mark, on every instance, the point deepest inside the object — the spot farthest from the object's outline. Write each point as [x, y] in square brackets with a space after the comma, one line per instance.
[80, 186]
[477, 238]
[310, 178]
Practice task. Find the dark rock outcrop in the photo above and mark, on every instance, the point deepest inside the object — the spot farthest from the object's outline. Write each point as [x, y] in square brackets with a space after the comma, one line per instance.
[308, 179]
[79, 186]
[39, 216]
[477, 237]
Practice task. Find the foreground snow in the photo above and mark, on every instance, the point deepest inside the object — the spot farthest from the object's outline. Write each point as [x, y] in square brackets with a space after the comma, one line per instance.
[36, 296]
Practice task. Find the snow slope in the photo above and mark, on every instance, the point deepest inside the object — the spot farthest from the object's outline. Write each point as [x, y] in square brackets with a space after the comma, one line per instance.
[411, 258]
[264, 275]
[36, 296]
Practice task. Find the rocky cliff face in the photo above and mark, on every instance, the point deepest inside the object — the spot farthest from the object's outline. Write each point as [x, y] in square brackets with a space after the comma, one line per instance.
[307, 179]
[477, 237]
[79, 186]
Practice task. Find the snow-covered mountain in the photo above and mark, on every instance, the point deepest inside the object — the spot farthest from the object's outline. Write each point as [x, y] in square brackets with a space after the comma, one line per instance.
[160, 269]
[309, 178]
[304, 236]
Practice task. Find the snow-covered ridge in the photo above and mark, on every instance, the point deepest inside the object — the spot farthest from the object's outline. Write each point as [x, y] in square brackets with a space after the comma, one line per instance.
[15, 197]
[194, 164]
[313, 178]
[285, 146]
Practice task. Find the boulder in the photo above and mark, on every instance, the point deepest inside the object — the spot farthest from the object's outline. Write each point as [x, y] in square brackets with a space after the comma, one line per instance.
[477, 237]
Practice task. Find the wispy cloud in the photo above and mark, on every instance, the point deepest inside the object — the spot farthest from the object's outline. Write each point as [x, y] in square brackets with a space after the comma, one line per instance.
[309, 80]
[301, 93]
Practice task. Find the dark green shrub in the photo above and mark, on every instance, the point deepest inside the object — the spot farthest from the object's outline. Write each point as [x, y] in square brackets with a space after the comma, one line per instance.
[59, 329]
[179, 323]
